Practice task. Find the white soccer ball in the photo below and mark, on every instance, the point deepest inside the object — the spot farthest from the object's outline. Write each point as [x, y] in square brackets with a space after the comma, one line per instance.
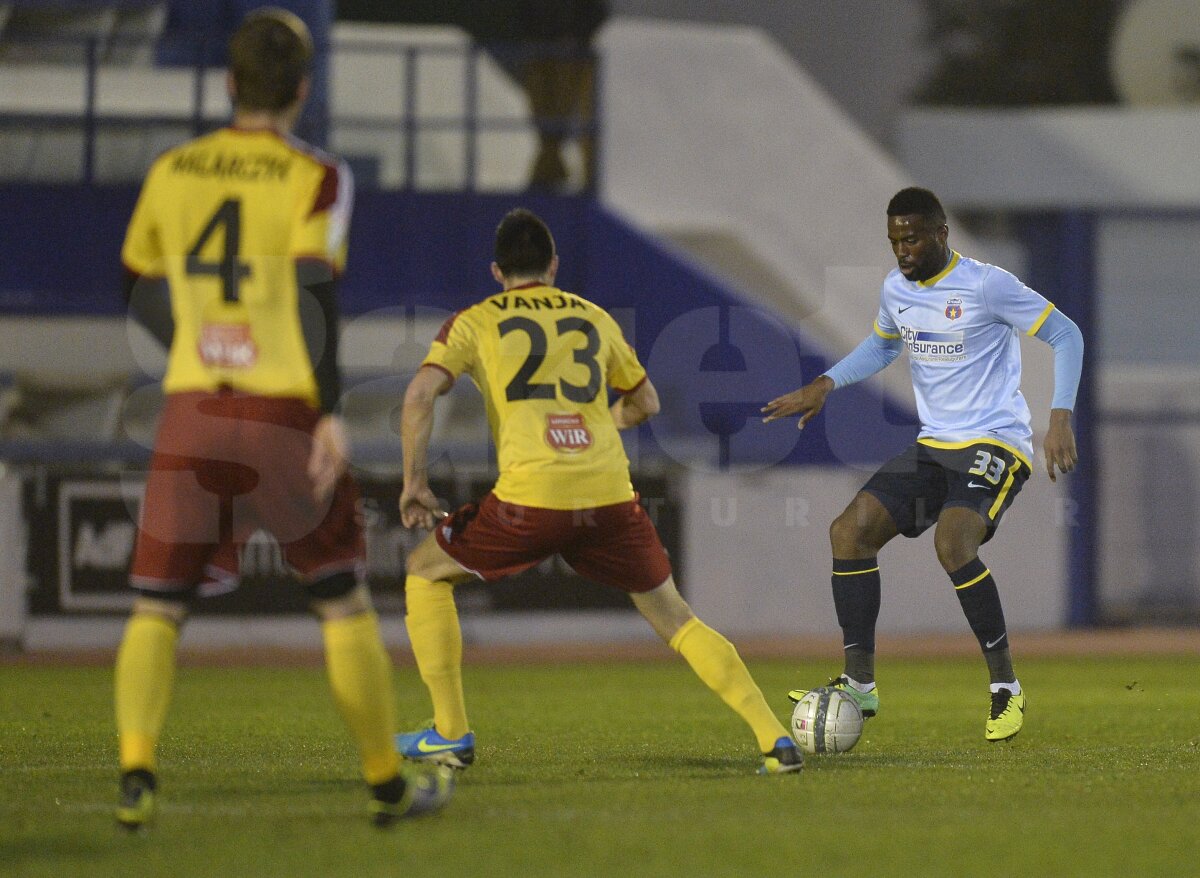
[826, 720]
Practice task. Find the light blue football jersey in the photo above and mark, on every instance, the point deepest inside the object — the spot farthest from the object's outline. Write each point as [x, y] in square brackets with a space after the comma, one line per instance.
[962, 329]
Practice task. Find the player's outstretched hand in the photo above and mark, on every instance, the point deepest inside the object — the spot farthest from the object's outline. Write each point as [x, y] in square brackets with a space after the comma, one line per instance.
[1060, 444]
[806, 402]
[419, 507]
[330, 456]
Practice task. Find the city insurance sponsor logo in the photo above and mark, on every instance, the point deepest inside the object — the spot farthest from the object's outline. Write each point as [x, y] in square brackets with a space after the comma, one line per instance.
[927, 346]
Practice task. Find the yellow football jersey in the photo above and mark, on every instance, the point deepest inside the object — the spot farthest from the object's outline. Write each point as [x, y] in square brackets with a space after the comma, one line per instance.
[543, 360]
[224, 218]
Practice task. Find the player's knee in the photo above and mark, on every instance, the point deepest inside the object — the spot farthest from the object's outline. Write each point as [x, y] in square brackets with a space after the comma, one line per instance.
[331, 587]
[953, 552]
[429, 561]
[173, 606]
[420, 561]
[664, 608]
[338, 596]
[846, 535]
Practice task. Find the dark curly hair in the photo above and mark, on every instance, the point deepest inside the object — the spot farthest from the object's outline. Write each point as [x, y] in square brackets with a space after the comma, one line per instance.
[918, 201]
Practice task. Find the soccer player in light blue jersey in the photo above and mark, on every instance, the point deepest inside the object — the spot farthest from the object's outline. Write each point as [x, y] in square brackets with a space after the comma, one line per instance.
[961, 321]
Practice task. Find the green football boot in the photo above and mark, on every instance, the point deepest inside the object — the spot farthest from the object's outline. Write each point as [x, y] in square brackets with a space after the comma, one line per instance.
[868, 702]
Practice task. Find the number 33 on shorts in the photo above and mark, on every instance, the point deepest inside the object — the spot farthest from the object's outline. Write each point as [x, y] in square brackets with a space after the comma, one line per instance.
[988, 465]
[1001, 474]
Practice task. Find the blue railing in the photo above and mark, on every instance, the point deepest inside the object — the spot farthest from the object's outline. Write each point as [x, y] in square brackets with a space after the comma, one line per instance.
[37, 98]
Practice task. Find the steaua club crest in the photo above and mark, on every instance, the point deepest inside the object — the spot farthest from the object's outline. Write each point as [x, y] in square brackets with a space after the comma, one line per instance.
[954, 308]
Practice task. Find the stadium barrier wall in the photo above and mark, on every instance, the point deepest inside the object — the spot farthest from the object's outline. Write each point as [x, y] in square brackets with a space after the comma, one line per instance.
[758, 557]
[750, 549]
[12, 561]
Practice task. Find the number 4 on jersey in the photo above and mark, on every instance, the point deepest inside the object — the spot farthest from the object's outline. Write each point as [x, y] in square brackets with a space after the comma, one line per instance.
[228, 219]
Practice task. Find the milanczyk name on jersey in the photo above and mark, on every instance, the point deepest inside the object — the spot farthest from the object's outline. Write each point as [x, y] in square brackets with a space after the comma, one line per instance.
[536, 303]
[241, 167]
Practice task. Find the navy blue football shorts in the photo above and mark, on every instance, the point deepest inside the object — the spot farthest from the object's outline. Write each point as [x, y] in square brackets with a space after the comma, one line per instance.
[917, 484]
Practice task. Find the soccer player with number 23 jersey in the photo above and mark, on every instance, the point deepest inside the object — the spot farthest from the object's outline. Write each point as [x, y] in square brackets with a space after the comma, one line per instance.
[544, 360]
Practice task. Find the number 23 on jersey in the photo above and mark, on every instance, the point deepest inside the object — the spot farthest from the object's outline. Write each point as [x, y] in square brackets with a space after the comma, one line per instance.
[522, 386]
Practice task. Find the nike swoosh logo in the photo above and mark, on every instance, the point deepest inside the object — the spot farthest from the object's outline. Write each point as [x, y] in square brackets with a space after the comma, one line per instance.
[850, 645]
[975, 485]
[997, 640]
[905, 308]
[425, 747]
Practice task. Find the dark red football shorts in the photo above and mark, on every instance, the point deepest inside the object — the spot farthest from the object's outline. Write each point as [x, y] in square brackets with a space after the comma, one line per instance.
[224, 465]
[613, 545]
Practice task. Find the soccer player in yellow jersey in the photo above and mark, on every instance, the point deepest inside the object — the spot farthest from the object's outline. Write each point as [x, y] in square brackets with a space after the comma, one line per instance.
[544, 360]
[231, 259]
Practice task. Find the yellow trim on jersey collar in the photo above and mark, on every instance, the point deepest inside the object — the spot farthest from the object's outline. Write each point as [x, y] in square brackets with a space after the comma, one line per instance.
[1037, 324]
[954, 257]
[983, 440]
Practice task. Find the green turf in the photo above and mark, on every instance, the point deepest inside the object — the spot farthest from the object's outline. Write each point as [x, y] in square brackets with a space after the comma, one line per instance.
[622, 770]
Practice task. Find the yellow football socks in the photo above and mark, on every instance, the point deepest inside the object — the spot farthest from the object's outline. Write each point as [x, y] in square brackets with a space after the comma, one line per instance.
[717, 663]
[360, 675]
[145, 674]
[436, 640]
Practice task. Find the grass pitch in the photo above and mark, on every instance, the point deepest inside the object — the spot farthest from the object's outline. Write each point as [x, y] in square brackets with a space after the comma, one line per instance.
[622, 769]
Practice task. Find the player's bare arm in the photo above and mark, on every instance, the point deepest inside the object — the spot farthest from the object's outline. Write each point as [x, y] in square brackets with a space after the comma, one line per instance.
[418, 505]
[806, 401]
[639, 405]
[330, 456]
[1059, 444]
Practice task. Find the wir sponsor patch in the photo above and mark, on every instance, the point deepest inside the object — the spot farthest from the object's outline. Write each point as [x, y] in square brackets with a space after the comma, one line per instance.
[568, 433]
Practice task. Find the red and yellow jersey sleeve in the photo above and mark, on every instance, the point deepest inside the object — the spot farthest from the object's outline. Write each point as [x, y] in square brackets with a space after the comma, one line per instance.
[225, 218]
[453, 350]
[544, 360]
[322, 228]
[625, 371]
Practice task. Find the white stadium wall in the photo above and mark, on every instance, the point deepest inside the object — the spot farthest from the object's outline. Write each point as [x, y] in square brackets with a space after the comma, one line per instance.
[759, 561]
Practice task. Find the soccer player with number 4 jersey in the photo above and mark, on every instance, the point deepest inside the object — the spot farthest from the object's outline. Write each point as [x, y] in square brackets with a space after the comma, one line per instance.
[961, 321]
[544, 360]
[232, 256]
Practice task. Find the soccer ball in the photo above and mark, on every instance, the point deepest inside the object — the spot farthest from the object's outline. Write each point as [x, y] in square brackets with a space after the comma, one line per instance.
[826, 720]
